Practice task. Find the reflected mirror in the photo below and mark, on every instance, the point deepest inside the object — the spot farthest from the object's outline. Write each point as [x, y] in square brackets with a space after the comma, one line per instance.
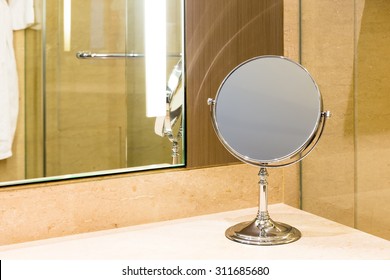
[104, 90]
[268, 113]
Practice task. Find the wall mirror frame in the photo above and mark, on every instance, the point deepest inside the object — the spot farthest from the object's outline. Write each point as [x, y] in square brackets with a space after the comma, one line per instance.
[243, 29]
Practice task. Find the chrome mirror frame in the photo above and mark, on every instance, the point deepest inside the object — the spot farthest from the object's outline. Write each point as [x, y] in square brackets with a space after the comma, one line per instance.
[263, 230]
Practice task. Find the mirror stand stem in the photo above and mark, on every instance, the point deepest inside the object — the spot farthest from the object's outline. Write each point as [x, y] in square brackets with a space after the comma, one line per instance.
[175, 145]
[175, 152]
[263, 230]
[263, 220]
[263, 185]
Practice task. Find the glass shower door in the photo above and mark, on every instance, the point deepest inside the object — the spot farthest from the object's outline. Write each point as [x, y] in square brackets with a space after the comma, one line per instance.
[347, 178]
[85, 100]
[85, 93]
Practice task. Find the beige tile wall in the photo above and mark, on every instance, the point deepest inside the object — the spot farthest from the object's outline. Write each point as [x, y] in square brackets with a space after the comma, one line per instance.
[328, 54]
[373, 118]
[63, 208]
[345, 46]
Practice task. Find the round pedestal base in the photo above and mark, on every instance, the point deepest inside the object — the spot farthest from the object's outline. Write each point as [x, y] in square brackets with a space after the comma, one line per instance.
[260, 232]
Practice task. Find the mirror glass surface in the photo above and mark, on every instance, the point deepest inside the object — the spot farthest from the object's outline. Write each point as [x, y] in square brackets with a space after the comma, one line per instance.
[84, 111]
[267, 109]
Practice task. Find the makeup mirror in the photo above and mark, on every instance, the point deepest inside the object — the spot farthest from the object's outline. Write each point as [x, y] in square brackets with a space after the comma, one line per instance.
[267, 112]
[171, 125]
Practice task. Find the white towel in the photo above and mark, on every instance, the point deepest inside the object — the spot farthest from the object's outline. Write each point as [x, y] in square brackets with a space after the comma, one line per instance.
[22, 13]
[17, 15]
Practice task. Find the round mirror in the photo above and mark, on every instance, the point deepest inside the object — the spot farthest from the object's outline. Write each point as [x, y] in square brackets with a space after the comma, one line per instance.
[267, 112]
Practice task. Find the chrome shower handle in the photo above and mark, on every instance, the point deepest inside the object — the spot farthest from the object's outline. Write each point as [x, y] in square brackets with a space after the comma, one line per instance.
[90, 55]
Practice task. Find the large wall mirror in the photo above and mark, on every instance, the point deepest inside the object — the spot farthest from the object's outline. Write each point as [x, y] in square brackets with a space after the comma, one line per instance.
[104, 90]
[84, 106]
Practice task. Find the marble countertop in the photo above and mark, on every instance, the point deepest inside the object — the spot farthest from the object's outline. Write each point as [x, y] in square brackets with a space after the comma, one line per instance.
[202, 237]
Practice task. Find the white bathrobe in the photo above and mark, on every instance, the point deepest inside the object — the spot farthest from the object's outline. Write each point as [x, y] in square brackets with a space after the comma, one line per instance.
[15, 15]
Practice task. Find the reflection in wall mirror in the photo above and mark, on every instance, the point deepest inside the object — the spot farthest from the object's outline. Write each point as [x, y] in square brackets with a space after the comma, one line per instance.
[104, 90]
[267, 113]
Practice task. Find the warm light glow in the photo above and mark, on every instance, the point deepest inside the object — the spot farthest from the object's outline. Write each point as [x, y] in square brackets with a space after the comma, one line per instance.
[155, 57]
[67, 24]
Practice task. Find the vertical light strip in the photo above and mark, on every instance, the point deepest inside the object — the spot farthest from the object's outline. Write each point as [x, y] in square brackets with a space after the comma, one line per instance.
[155, 57]
[67, 24]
